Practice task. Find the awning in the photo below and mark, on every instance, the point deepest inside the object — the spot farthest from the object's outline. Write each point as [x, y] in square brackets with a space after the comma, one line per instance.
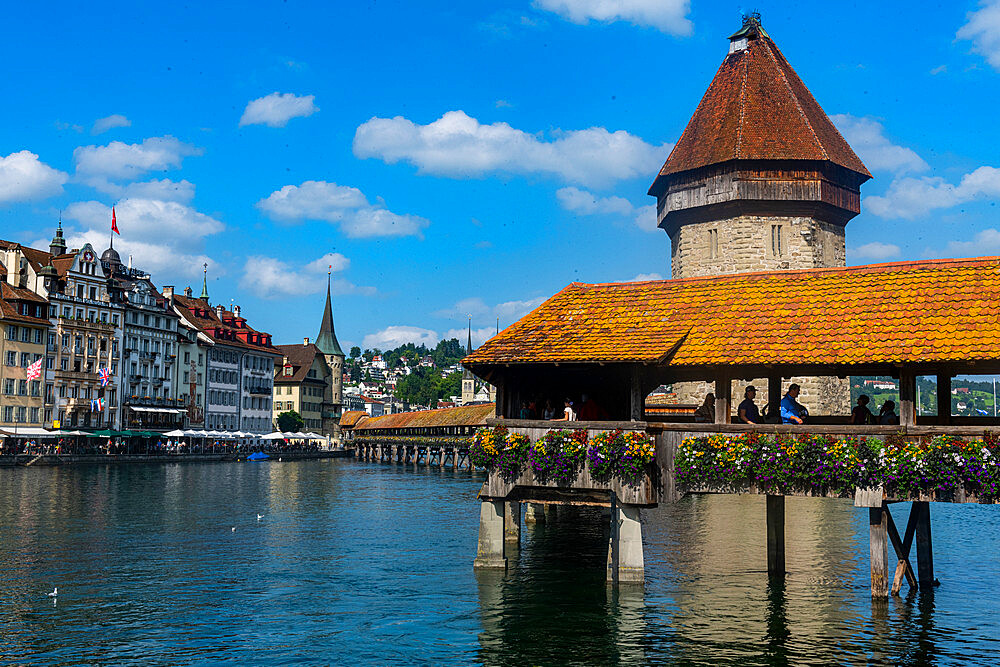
[31, 432]
[165, 411]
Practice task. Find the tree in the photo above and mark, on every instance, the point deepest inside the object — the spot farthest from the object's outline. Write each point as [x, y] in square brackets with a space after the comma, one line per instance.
[290, 421]
[355, 352]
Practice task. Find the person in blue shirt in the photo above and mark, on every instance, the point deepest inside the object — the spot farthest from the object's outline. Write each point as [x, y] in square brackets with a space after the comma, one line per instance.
[793, 412]
[748, 412]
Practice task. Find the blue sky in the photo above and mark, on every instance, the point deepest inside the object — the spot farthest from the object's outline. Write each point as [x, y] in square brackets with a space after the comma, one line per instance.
[456, 158]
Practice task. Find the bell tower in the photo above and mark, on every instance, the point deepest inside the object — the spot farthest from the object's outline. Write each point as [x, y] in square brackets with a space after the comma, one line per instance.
[328, 344]
[468, 379]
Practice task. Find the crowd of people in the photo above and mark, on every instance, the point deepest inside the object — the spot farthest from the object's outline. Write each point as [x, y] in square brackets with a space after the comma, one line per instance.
[122, 447]
[790, 411]
[586, 409]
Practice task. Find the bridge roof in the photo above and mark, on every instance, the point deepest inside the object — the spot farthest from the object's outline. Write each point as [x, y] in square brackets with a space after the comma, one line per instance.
[930, 311]
[352, 417]
[466, 415]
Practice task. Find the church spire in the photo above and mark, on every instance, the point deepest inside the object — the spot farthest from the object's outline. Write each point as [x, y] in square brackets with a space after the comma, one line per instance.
[58, 244]
[468, 347]
[326, 341]
[204, 283]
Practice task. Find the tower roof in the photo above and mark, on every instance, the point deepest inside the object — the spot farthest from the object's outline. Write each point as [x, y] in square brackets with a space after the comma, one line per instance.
[326, 341]
[757, 108]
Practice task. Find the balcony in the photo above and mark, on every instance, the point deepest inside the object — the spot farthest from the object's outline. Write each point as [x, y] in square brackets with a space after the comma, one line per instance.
[259, 390]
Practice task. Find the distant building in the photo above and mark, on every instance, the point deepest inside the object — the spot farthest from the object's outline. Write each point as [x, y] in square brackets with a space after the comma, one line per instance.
[24, 331]
[301, 381]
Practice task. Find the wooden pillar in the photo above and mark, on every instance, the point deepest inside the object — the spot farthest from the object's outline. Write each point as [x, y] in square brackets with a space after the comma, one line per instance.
[925, 559]
[944, 397]
[773, 393]
[501, 396]
[636, 399]
[723, 399]
[775, 535]
[907, 396]
[878, 534]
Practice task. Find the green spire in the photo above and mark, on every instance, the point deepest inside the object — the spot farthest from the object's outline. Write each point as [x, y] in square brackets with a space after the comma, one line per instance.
[58, 244]
[204, 284]
[326, 341]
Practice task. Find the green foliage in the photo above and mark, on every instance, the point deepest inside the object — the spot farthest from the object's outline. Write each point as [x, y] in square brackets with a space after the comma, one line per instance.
[290, 421]
[355, 352]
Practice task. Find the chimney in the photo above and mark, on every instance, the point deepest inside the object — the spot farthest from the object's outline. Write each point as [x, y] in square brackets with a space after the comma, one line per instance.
[218, 311]
[305, 341]
[236, 311]
[168, 295]
[187, 291]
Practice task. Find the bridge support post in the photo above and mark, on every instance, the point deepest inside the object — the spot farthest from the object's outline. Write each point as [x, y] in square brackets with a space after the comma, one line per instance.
[878, 534]
[925, 559]
[454, 458]
[775, 535]
[534, 514]
[625, 561]
[512, 521]
[492, 552]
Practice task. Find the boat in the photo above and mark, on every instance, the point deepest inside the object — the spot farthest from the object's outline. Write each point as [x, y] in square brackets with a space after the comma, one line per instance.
[258, 456]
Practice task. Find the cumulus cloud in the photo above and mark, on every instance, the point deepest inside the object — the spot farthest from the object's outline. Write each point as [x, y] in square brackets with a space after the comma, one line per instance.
[23, 177]
[986, 242]
[272, 278]
[122, 161]
[479, 336]
[164, 237]
[643, 277]
[912, 197]
[276, 109]
[162, 189]
[867, 136]
[875, 250]
[340, 204]
[583, 202]
[507, 311]
[669, 16]
[458, 145]
[396, 335]
[109, 122]
[982, 28]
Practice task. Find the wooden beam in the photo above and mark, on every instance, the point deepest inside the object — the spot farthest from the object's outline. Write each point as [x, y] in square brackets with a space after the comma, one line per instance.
[723, 398]
[775, 535]
[925, 557]
[902, 549]
[636, 398]
[879, 550]
[907, 395]
[944, 397]
[773, 394]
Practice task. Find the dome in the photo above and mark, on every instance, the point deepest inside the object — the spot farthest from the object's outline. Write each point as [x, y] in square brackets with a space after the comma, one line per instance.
[110, 259]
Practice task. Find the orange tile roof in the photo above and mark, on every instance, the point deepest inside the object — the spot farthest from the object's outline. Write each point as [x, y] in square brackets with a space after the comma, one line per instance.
[466, 415]
[913, 312]
[352, 417]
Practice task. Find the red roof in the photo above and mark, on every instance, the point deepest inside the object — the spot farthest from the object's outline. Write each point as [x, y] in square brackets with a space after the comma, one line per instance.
[237, 334]
[757, 108]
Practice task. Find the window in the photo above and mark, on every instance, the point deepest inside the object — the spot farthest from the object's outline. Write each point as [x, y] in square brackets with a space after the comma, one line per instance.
[12, 358]
[35, 388]
[50, 363]
[8, 413]
[25, 335]
[22, 387]
[777, 249]
[93, 293]
[187, 357]
[11, 332]
[25, 360]
[114, 319]
[8, 387]
[38, 336]
[34, 416]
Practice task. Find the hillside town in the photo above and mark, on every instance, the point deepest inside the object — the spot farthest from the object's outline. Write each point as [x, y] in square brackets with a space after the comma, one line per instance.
[90, 343]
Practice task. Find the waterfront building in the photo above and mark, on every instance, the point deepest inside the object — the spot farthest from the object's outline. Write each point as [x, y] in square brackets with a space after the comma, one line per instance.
[149, 349]
[239, 377]
[86, 312]
[23, 335]
[301, 381]
[760, 180]
[190, 370]
[333, 356]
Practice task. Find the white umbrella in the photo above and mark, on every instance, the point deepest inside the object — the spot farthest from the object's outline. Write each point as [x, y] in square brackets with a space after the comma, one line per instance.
[277, 435]
[175, 433]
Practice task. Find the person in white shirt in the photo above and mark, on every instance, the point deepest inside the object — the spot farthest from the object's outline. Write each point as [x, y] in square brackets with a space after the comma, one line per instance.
[569, 414]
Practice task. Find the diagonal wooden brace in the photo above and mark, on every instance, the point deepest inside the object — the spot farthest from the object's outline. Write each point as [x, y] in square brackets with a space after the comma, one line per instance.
[902, 549]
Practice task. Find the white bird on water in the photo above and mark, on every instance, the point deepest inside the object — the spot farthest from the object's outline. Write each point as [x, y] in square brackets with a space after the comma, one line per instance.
[234, 529]
[260, 516]
[54, 593]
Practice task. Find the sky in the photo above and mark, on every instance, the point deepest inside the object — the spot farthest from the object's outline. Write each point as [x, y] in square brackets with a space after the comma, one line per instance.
[447, 160]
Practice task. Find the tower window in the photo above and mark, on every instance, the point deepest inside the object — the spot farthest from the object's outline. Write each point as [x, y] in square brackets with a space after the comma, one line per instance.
[713, 243]
[777, 247]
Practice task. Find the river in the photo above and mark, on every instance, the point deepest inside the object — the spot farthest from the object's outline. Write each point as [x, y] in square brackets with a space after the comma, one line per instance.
[367, 563]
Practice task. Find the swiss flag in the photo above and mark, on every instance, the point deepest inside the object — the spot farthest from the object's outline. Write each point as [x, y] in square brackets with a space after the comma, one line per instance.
[114, 222]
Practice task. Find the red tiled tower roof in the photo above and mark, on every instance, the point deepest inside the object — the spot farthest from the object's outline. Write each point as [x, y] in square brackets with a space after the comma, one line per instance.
[757, 108]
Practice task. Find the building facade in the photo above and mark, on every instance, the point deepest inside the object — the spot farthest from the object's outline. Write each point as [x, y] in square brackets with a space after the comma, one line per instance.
[23, 335]
[333, 357]
[760, 180]
[302, 383]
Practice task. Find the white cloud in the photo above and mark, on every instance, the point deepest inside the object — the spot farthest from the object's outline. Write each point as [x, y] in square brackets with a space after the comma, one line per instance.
[669, 16]
[511, 311]
[345, 205]
[23, 177]
[982, 28]
[276, 109]
[271, 278]
[162, 189]
[875, 250]
[119, 160]
[867, 136]
[164, 237]
[643, 277]
[912, 197]
[108, 122]
[986, 242]
[396, 335]
[583, 202]
[473, 306]
[479, 336]
[458, 145]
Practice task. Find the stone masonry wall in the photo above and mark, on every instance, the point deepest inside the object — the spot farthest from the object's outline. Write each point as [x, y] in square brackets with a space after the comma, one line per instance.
[744, 244]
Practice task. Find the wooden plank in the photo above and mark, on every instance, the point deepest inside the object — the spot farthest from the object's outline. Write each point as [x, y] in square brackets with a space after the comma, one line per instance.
[903, 568]
[723, 399]
[636, 397]
[775, 535]
[546, 425]
[773, 393]
[907, 397]
[879, 550]
[869, 497]
[944, 397]
[925, 557]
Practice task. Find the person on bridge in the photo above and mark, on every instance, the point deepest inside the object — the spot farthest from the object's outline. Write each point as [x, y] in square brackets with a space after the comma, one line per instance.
[793, 412]
[569, 414]
[706, 412]
[590, 410]
[861, 414]
[748, 412]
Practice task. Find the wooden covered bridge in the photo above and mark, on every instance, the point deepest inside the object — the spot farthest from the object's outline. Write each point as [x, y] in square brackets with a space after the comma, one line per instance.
[426, 437]
[617, 342]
